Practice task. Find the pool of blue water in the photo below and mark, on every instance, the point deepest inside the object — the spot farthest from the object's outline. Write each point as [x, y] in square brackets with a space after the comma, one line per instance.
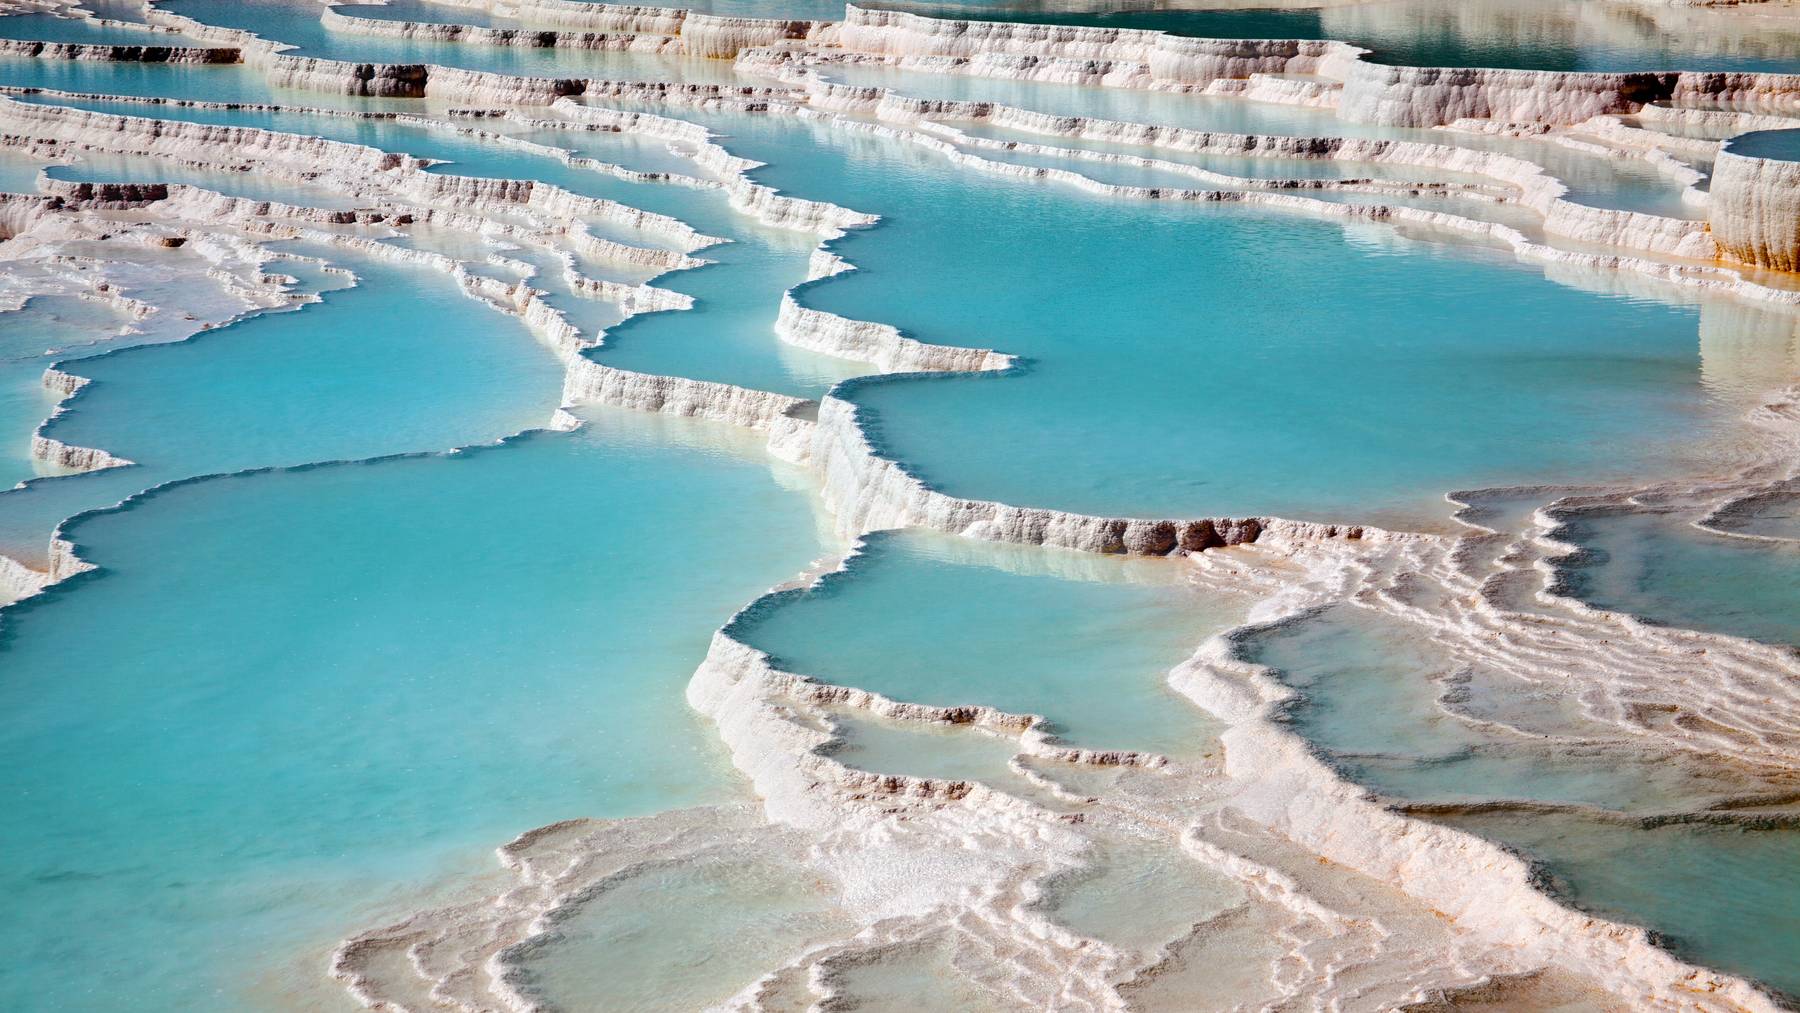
[50, 28]
[292, 701]
[357, 375]
[1347, 664]
[729, 335]
[935, 620]
[1153, 386]
[1778, 144]
[430, 372]
[295, 702]
[1722, 892]
[1664, 569]
[1727, 896]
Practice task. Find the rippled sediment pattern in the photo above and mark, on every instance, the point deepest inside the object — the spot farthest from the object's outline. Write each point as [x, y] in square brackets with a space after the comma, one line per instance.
[1161, 510]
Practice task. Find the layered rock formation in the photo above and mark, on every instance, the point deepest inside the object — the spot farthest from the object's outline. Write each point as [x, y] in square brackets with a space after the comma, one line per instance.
[118, 53]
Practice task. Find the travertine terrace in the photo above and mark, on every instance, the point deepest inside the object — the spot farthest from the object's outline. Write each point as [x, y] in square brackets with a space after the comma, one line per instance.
[1356, 899]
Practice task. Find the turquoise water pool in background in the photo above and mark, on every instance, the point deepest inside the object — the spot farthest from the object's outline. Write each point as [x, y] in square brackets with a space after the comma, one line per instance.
[1151, 388]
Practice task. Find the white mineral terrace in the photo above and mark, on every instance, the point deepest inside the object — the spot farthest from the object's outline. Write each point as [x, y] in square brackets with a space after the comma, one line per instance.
[1375, 908]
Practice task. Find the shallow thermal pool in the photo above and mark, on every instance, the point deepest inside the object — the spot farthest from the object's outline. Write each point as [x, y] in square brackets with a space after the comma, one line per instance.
[1083, 642]
[1151, 388]
[1661, 567]
[1527, 34]
[1726, 896]
[357, 375]
[291, 700]
[1721, 888]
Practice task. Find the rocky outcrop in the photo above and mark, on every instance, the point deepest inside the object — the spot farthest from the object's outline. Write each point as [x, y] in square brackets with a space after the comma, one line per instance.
[185, 140]
[1432, 96]
[1535, 188]
[1114, 56]
[354, 169]
[109, 194]
[1390, 95]
[593, 17]
[899, 33]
